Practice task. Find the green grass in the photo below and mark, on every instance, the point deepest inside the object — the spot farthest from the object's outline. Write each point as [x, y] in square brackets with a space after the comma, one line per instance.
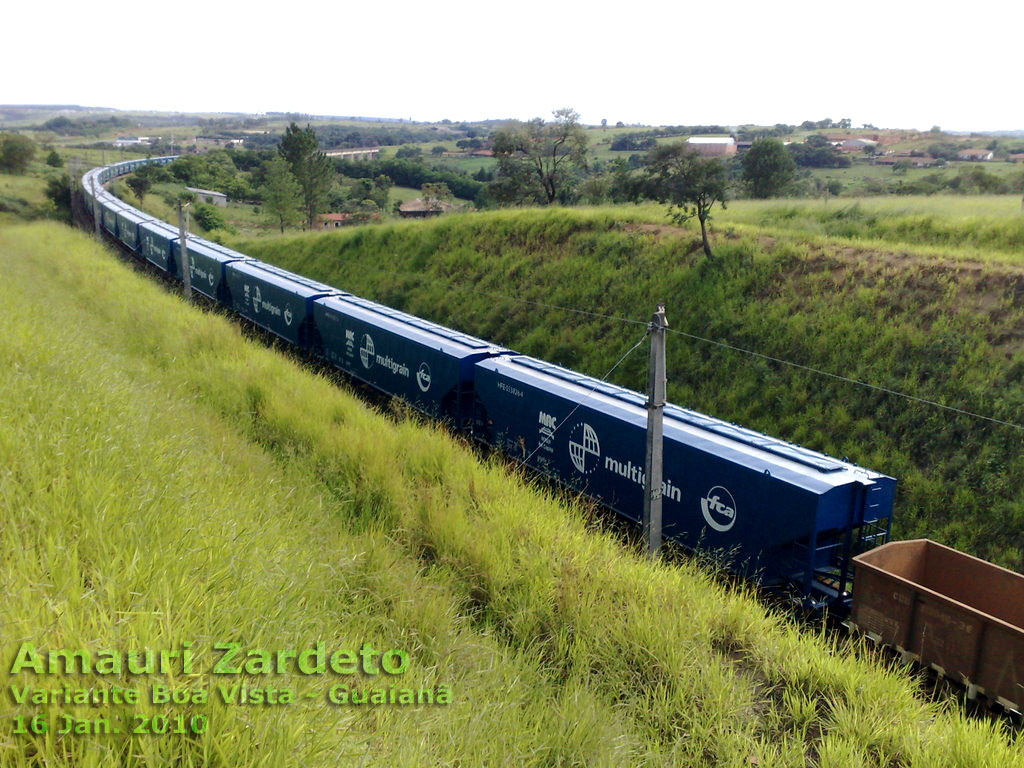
[863, 178]
[165, 479]
[401, 194]
[982, 226]
[916, 324]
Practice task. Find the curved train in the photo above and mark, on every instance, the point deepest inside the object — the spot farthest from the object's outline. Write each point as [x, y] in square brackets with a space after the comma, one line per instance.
[791, 518]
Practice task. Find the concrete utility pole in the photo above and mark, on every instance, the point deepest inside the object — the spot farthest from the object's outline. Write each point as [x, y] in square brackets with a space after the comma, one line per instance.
[655, 416]
[186, 276]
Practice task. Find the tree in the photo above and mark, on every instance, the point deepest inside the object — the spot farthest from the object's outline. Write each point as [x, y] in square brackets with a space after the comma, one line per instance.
[438, 150]
[435, 195]
[16, 152]
[311, 168]
[544, 153]
[409, 152]
[54, 160]
[140, 184]
[58, 190]
[688, 183]
[768, 168]
[208, 217]
[282, 196]
[604, 123]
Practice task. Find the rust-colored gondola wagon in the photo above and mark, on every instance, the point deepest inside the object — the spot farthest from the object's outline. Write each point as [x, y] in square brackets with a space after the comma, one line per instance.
[954, 612]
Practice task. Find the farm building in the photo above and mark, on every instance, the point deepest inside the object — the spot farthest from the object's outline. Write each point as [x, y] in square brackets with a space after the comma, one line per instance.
[365, 153]
[981, 155]
[209, 196]
[857, 144]
[420, 208]
[908, 161]
[336, 220]
[712, 146]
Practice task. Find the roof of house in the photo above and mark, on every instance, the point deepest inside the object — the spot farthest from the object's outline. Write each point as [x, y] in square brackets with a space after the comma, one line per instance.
[199, 191]
[419, 204]
[711, 140]
[975, 152]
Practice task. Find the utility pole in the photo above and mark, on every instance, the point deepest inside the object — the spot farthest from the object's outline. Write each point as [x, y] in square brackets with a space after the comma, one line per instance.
[186, 276]
[655, 417]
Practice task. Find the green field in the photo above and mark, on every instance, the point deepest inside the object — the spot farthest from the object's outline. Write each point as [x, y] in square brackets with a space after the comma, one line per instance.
[166, 480]
[979, 227]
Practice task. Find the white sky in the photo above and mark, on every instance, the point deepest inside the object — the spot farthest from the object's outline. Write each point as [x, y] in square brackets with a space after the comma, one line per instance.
[894, 64]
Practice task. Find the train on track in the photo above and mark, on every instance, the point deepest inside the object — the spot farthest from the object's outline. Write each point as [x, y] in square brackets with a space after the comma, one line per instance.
[793, 519]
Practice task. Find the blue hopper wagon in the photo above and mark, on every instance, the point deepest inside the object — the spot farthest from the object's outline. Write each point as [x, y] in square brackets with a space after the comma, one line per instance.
[275, 299]
[158, 243]
[427, 365]
[207, 262]
[772, 510]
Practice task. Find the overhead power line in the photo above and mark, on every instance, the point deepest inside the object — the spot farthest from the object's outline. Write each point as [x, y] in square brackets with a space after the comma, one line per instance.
[760, 355]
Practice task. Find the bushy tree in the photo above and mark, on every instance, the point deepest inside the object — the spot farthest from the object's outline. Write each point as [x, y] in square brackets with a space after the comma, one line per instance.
[58, 190]
[435, 195]
[16, 152]
[691, 185]
[768, 168]
[539, 157]
[54, 160]
[208, 217]
[408, 152]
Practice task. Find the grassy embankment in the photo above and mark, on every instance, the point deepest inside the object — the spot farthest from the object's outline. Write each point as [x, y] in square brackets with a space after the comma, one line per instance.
[936, 328]
[975, 226]
[163, 479]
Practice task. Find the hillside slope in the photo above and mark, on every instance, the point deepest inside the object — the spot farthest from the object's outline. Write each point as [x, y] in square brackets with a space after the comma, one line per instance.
[937, 328]
[162, 479]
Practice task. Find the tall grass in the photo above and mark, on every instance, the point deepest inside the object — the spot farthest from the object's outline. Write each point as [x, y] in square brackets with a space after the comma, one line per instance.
[993, 223]
[164, 479]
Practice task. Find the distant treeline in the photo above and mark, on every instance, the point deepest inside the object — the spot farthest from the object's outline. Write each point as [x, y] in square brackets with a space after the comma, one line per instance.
[84, 126]
[350, 137]
[412, 173]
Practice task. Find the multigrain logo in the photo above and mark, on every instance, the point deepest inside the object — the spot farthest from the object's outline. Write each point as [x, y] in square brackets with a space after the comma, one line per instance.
[367, 353]
[288, 315]
[584, 448]
[257, 301]
[719, 509]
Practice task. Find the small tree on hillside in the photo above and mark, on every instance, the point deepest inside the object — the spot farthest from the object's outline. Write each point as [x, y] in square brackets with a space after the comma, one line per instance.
[688, 183]
[140, 185]
[54, 160]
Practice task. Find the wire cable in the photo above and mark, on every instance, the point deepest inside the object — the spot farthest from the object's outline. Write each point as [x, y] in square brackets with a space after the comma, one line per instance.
[847, 379]
[556, 306]
[809, 369]
[549, 438]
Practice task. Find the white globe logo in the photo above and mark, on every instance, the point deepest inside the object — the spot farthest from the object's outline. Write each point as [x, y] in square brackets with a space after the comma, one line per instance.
[580, 450]
[366, 351]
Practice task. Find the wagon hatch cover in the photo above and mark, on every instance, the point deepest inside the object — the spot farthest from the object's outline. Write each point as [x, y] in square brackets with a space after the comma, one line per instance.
[780, 448]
